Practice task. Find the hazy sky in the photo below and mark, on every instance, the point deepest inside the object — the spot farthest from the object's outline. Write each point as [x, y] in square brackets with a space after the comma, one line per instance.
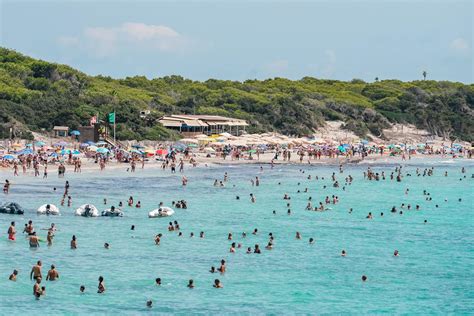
[240, 40]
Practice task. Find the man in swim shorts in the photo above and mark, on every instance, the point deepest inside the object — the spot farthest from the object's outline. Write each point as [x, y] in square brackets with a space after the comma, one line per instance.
[11, 231]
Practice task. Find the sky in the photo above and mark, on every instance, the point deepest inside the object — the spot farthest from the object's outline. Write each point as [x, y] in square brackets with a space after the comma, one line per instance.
[240, 40]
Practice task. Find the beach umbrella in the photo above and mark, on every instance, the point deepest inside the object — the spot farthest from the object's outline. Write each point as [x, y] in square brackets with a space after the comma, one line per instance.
[16, 146]
[192, 145]
[8, 157]
[209, 150]
[161, 152]
[60, 144]
[102, 150]
[40, 143]
[137, 146]
[29, 145]
[25, 151]
[252, 151]
[90, 142]
[135, 151]
[101, 143]
[75, 133]
[92, 148]
[84, 145]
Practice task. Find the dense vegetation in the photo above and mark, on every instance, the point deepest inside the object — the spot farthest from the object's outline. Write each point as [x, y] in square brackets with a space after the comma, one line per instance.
[36, 95]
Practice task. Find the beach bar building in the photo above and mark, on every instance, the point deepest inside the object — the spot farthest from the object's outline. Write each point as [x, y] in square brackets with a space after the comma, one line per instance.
[60, 131]
[190, 125]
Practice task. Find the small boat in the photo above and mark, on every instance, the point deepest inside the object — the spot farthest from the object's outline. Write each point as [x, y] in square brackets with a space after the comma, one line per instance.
[113, 212]
[48, 209]
[163, 211]
[87, 210]
[12, 208]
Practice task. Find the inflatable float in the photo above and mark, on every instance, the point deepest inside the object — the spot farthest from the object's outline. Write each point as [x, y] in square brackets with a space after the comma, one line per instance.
[48, 209]
[87, 210]
[12, 208]
[113, 212]
[161, 212]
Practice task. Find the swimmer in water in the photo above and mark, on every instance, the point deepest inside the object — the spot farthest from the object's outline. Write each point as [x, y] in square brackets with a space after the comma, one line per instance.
[212, 270]
[34, 241]
[52, 274]
[253, 199]
[364, 278]
[82, 289]
[343, 253]
[298, 235]
[101, 286]
[217, 284]
[149, 303]
[191, 284]
[311, 241]
[222, 268]
[249, 250]
[369, 216]
[37, 290]
[73, 242]
[158, 281]
[157, 239]
[257, 249]
[395, 253]
[13, 276]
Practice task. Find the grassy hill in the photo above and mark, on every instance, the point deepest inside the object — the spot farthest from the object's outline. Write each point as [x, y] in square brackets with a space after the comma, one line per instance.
[35, 95]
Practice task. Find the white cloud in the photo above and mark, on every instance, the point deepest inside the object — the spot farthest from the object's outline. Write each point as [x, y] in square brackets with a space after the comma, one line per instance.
[141, 31]
[107, 41]
[460, 45]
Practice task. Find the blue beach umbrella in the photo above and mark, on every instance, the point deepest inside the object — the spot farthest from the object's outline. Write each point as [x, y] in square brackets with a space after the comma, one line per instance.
[75, 133]
[102, 150]
[40, 143]
[8, 157]
[100, 143]
[25, 151]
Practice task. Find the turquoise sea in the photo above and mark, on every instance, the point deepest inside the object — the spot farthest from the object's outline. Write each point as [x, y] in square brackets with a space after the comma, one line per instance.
[434, 273]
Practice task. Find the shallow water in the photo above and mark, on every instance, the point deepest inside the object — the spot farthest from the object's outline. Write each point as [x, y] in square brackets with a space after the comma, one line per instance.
[434, 273]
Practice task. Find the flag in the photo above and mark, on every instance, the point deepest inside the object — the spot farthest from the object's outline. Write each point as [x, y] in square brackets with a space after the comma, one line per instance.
[93, 120]
[111, 117]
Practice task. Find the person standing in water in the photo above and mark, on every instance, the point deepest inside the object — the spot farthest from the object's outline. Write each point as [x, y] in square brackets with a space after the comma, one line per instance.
[11, 231]
[36, 271]
[34, 241]
[73, 242]
[52, 274]
[6, 187]
[101, 286]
